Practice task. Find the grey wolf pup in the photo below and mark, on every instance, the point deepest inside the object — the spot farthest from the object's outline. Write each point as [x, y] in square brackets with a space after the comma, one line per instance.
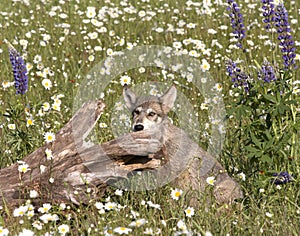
[183, 158]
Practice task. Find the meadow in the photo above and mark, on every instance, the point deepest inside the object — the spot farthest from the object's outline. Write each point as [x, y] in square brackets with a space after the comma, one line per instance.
[247, 48]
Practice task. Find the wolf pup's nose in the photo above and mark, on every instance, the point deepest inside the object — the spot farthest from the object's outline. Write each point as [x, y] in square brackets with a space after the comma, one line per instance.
[138, 127]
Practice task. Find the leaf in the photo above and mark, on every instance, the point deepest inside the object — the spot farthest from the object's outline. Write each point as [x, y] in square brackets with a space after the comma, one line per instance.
[253, 152]
[282, 109]
[255, 141]
[270, 98]
[270, 143]
[267, 159]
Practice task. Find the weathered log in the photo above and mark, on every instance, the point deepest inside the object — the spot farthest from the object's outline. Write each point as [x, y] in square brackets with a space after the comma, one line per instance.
[82, 170]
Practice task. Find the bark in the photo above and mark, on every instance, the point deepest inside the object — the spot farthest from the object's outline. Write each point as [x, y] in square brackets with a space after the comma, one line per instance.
[73, 160]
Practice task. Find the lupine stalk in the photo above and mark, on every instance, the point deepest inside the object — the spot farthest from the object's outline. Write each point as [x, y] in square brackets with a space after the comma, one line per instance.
[279, 17]
[238, 77]
[282, 178]
[267, 72]
[19, 70]
[268, 13]
[287, 43]
[237, 22]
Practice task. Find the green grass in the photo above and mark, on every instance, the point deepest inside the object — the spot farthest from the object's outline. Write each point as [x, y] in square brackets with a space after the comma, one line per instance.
[265, 209]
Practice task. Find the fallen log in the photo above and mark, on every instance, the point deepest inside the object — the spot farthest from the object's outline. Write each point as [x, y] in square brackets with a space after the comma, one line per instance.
[80, 171]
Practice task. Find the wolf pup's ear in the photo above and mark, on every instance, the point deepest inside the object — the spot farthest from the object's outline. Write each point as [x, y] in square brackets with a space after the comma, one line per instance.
[168, 99]
[129, 97]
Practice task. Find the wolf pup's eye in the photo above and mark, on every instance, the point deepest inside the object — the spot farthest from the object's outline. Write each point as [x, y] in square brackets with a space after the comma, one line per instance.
[136, 112]
[151, 113]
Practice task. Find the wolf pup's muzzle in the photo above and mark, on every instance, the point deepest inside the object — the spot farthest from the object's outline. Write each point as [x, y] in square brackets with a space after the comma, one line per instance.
[138, 127]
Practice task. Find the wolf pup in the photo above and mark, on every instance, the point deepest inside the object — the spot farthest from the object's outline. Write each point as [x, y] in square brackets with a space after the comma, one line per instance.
[189, 163]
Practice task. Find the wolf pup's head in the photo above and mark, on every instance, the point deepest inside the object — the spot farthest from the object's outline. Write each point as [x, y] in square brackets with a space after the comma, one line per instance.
[149, 112]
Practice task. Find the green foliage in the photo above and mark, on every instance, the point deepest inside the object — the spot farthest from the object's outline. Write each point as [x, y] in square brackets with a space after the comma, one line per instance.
[267, 124]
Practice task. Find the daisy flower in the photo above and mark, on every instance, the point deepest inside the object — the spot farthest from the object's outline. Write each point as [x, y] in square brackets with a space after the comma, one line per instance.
[142, 70]
[102, 125]
[91, 58]
[45, 208]
[29, 66]
[47, 84]
[242, 176]
[211, 180]
[134, 214]
[205, 66]
[26, 232]
[153, 205]
[3, 232]
[122, 230]
[6, 84]
[177, 45]
[142, 13]
[38, 225]
[109, 52]
[119, 192]
[93, 35]
[42, 168]
[46, 71]
[56, 106]
[20, 211]
[148, 231]
[189, 212]
[207, 233]
[29, 122]
[218, 87]
[30, 214]
[91, 12]
[49, 137]
[119, 106]
[110, 206]
[99, 205]
[211, 31]
[11, 126]
[125, 79]
[63, 229]
[37, 59]
[268, 214]
[23, 168]
[48, 218]
[48, 153]
[138, 223]
[153, 92]
[191, 25]
[46, 106]
[176, 193]
[181, 225]
[33, 194]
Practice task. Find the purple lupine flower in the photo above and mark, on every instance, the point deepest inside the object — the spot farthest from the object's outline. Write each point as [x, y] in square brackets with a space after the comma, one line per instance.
[267, 72]
[237, 22]
[268, 13]
[19, 70]
[238, 77]
[282, 178]
[287, 43]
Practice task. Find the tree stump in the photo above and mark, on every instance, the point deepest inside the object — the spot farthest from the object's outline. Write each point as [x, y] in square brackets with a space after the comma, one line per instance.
[77, 165]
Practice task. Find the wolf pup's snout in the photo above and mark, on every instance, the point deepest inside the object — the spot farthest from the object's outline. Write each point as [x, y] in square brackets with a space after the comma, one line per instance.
[138, 127]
